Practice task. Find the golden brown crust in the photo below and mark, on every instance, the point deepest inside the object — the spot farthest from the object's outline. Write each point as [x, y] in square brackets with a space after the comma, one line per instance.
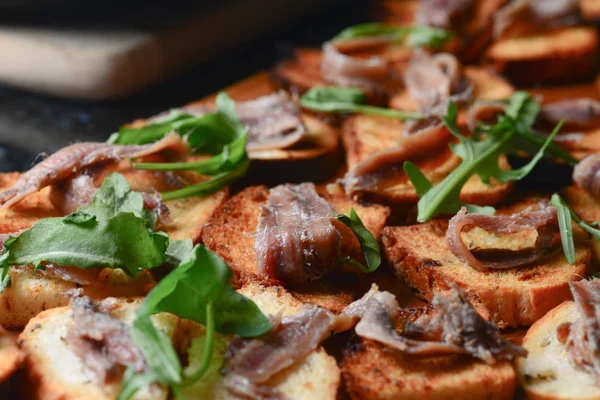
[372, 371]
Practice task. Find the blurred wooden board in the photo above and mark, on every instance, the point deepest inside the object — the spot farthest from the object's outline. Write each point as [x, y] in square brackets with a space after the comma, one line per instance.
[101, 62]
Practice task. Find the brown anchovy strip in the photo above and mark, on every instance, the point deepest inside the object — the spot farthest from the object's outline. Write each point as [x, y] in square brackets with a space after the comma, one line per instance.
[383, 167]
[296, 241]
[583, 341]
[544, 221]
[432, 80]
[542, 12]
[372, 74]
[102, 343]
[455, 328]
[581, 113]
[71, 160]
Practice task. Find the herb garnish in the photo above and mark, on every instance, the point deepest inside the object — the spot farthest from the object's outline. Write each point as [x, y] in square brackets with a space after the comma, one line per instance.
[480, 152]
[368, 243]
[221, 134]
[565, 216]
[413, 36]
[198, 290]
[336, 99]
[114, 232]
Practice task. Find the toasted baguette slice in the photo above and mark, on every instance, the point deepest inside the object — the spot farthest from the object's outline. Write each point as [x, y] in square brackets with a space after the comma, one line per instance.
[372, 371]
[547, 373]
[364, 135]
[230, 233]
[53, 371]
[11, 357]
[555, 56]
[509, 298]
[315, 376]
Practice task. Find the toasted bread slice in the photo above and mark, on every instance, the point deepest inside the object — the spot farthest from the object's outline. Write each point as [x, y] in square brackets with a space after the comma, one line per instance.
[364, 135]
[315, 376]
[554, 56]
[11, 357]
[547, 373]
[372, 371]
[509, 298]
[53, 371]
[230, 233]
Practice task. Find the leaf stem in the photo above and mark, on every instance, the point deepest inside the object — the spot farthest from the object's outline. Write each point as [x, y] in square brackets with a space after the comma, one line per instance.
[427, 210]
[207, 187]
[208, 347]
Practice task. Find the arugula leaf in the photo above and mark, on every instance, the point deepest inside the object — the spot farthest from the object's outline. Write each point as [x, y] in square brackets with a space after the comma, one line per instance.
[178, 251]
[114, 196]
[209, 186]
[368, 243]
[414, 36]
[197, 290]
[114, 232]
[208, 133]
[565, 215]
[566, 228]
[479, 155]
[222, 132]
[338, 99]
[419, 180]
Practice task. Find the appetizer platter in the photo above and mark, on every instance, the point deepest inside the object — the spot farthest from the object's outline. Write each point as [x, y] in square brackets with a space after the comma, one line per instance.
[408, 212]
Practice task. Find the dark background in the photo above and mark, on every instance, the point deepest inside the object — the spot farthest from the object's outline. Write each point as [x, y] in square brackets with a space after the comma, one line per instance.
[32, 124]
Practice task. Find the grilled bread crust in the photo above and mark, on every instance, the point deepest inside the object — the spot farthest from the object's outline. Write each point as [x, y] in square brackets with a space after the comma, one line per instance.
[372, 371]
[547, 373]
